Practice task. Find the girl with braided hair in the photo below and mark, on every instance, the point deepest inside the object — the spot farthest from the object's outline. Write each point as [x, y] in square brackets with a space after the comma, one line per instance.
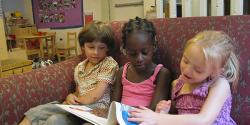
[140, 82]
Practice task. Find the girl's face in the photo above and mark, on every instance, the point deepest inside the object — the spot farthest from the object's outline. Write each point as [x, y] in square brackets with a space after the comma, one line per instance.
[95, 51]
[139, 50]
[194, 67]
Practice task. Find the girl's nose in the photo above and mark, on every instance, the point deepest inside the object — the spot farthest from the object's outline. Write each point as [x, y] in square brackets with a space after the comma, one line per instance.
[139, 58]
[188, 70]
[96, 51]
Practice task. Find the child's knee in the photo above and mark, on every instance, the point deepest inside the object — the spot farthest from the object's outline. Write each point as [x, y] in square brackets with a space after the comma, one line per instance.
[57, 119]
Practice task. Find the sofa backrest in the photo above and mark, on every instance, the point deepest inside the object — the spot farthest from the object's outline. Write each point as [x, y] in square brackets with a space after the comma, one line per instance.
[172, 35]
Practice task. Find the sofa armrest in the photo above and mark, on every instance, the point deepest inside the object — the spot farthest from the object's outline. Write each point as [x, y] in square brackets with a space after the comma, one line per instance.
[19, 93]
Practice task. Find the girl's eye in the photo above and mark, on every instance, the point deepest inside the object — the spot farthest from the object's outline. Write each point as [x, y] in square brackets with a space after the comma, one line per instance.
[91, 47]
[101, 47]
[185, 61]
[198, 71]
[145, 52]
[130, 53]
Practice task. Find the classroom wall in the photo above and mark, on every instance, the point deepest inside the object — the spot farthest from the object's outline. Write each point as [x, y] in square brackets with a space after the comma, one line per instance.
[125, 13]
[13, 5]
[88, 6]
[3, 46]
[103, 10]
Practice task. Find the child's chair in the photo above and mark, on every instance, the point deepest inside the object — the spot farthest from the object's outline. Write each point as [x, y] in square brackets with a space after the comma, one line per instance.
[49, 45]
[32, 46]
[71, 44]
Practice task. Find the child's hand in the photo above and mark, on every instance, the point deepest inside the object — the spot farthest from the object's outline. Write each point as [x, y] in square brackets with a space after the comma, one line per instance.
[163, 106]
[143, 116]
[71, 100]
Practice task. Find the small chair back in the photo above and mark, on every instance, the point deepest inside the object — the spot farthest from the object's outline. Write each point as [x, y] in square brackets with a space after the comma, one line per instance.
[71, 39]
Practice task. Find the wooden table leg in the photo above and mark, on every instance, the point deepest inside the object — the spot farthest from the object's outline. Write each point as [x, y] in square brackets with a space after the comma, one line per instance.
[41, 48]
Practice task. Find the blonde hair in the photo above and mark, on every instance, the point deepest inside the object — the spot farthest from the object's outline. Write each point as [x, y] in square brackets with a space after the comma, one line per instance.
[219, 51]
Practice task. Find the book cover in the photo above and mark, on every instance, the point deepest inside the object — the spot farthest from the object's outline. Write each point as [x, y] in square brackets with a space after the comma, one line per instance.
[118, 113]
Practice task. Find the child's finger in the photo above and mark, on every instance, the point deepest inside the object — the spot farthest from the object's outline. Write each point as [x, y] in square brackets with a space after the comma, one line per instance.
[77, 100]
[143, 107]
[135, 119]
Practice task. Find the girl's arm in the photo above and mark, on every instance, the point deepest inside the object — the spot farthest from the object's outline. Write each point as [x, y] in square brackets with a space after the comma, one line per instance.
[116, 93]
[95, 94]
[104, 78]
[218, 93]
[163, 87]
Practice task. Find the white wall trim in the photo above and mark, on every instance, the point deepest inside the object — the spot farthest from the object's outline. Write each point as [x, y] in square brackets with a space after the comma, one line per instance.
[186, 8]
[236, 7]
[172, 9]
[217, 7]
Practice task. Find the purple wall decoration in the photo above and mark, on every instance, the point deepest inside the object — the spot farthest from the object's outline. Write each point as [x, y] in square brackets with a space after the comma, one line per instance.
[58, 13]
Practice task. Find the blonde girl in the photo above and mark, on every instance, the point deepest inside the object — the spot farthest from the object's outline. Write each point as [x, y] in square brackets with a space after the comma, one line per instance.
[202, 92]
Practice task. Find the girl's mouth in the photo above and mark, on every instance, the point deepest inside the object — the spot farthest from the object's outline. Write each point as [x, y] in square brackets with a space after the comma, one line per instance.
[187, 76]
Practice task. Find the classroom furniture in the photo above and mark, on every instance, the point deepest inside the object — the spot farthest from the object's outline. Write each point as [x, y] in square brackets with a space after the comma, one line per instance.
[71, 44]
[9, 67]
[33, 43]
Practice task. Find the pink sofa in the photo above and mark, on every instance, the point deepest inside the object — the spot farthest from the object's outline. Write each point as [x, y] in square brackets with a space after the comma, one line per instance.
[20, 92]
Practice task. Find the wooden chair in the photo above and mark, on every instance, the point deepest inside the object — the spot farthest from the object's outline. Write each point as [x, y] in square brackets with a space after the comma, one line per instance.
[31, 46]
[49, 44]
[71, 44]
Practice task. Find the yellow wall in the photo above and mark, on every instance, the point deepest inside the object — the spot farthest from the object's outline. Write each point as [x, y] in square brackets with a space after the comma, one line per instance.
[3, 45]
[125, 13]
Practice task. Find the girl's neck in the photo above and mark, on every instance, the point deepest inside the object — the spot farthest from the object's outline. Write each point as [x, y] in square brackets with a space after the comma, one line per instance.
[139, 76]
[149, 68]
[89, 66]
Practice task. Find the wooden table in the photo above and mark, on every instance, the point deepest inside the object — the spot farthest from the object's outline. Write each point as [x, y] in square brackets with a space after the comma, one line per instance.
[39, 38]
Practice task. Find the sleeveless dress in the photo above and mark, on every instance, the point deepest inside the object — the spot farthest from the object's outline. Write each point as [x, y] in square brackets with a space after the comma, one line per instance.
[135, 94]
[192, 103]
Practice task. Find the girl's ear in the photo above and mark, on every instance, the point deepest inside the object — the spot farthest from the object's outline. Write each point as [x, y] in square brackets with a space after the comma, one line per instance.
[123, 51]
[83, 50]
[154, 48]
[217, 73]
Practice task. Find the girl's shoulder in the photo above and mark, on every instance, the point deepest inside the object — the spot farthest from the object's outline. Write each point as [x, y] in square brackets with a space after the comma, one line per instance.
[174, 83]
[163, 72]
[81, 64]
[108, 63]
[220, 82]
[163, 69]
[109, 60]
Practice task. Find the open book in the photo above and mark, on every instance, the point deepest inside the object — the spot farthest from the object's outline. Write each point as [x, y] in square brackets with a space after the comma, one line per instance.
[117, 114]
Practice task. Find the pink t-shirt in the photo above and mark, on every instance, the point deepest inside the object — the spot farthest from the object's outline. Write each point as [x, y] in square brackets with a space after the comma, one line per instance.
[135, 94]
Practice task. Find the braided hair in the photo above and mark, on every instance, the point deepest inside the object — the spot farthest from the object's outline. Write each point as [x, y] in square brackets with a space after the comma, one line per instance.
[138, 24]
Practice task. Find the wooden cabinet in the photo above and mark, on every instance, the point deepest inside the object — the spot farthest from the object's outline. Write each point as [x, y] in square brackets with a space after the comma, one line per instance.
[9, 67]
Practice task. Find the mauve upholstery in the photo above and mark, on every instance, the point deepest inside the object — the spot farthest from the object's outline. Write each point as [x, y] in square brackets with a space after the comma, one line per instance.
[20, 92]
[172, 35]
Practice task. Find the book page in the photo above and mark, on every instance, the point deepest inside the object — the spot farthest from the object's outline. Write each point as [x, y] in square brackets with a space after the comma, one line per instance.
[84, 113]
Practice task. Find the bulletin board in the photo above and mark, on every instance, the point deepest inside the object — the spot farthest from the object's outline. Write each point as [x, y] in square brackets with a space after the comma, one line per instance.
[57, 13]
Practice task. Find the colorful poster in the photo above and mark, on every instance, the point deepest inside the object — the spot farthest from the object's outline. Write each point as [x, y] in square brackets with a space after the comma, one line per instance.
[57, 13]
